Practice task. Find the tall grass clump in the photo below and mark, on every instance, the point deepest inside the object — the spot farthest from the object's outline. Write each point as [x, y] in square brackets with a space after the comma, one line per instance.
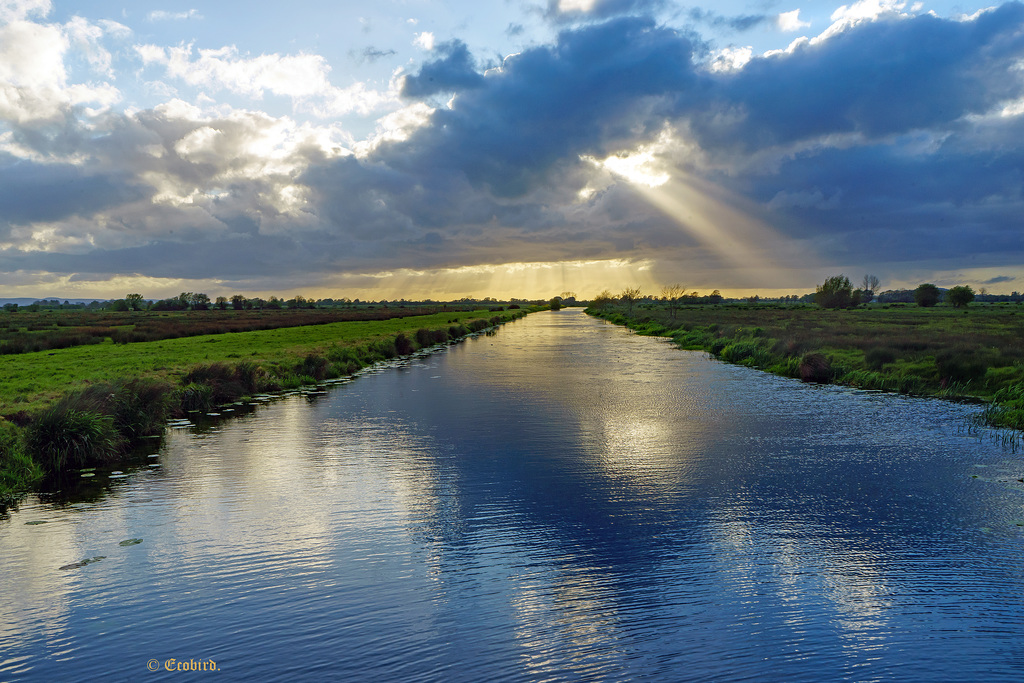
[68, 436]
[18, 471]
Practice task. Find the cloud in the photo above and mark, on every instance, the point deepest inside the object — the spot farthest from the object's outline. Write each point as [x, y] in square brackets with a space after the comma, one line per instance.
[161, 15]
[304, 77]
[424, 41]
[999, 279]
[455, 69]
[739, 23]
[790, 21]
[890, 136]
[561, 11]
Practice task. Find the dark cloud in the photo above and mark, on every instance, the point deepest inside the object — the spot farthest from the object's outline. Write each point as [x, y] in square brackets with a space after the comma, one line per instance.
[738, 23]
[454, 70]
[879, 142]
[372, 54]
[32, 192]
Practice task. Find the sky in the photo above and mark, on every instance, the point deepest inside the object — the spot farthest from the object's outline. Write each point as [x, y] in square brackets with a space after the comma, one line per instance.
[516, 148]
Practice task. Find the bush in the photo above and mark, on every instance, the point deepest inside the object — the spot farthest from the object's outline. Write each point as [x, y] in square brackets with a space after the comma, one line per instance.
[960, 296]
[816, 368]
[835, 292]
[403, 345]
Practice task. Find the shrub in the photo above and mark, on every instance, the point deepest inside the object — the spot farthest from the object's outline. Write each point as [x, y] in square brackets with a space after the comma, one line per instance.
[835, 292]
[960, 296]
[403, 345]
[423, 337]
[313, 366]
[815, 367]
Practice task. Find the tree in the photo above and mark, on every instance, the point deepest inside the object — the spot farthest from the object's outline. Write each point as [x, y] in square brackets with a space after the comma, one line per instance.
[237, 302]
[870, 283]
[835, 292]
[672, 294]
[602, 299]
[222, 302]
[134, 301]
[715, 297]
[926, 295]
[555, 303]
[199, 301]
[628, 296]
[960, 296]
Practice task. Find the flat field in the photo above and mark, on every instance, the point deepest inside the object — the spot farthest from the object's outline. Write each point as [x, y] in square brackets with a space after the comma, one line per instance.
[29, 381]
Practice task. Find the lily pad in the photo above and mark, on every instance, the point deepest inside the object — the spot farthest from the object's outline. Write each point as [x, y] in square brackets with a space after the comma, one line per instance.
[35, 521]
[130, 541]
[82, 563]
[88, 474]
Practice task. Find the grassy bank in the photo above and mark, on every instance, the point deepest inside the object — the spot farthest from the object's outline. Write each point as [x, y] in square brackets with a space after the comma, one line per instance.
[965, 354]
[86, 405]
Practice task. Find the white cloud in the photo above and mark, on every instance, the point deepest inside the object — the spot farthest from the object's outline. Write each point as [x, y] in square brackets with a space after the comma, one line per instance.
[730, 58]
[19, 10]
[790, 21]
[304, 78]
[424, 40]
[161, 15]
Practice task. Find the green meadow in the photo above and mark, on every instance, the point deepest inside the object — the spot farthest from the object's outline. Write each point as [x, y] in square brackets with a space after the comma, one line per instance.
[29, 381]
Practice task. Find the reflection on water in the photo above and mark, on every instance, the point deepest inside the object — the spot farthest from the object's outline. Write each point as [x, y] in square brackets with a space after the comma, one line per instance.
[563, 500]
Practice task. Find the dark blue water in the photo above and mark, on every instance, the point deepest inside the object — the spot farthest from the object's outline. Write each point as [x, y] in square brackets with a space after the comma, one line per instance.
[561, 501]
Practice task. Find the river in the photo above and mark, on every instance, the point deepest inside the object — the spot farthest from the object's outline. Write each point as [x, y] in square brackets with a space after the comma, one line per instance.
[561, 500]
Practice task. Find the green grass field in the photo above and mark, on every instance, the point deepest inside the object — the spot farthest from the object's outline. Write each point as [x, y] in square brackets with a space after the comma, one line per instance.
[30, 381]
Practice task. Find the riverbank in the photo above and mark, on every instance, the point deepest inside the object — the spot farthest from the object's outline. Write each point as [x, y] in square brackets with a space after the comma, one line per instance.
[973, 354]
[77, 407]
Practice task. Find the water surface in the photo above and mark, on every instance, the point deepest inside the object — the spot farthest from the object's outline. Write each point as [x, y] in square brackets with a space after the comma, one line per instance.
[563, 500]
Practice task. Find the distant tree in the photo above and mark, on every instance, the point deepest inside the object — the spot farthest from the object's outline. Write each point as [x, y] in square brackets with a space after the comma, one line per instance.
[273, 303]
[753, 299]
[602, 299]
[870, 283]
[673, 294]
[960, 296]
[118, 305]
[134, 301]
[555, 303]
[222, 302]
[199, 301]
[629, 296]
[835, 292]
[857, 297]
[926, 295]
[237, 302]
[715, 297]
[11, 308]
